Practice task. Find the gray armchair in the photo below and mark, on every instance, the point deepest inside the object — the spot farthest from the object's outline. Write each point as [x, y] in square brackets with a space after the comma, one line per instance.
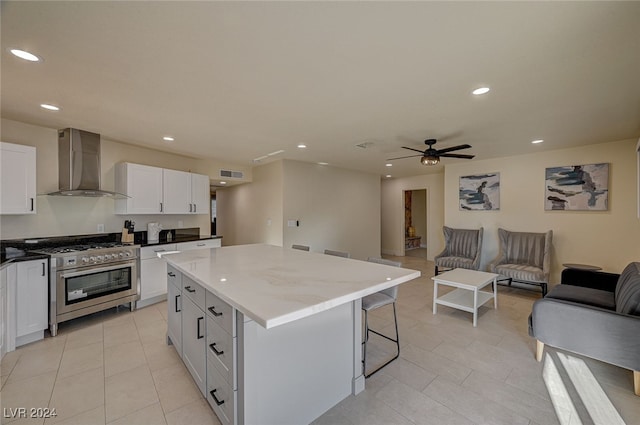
[524, 257]
[462, 249]
[600, 320]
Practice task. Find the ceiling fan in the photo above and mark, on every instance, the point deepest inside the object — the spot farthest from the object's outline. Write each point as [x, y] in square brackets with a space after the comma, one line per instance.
[431, 156]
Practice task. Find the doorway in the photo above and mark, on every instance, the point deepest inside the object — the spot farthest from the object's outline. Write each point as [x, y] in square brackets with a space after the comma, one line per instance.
[415, 223]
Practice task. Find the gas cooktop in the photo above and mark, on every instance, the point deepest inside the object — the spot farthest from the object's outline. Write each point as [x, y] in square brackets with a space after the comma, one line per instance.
[81, 247]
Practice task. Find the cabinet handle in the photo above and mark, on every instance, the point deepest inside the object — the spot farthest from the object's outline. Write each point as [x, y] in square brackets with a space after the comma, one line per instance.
[198, 335]
[201, 244]
[190, 207]
[188, 288]
[160, 206]
[213, 394]
[31, 204]
[172, 274]
[213, 311]
[177, 311]
[213, 347]
[195, 208]
[43, 268]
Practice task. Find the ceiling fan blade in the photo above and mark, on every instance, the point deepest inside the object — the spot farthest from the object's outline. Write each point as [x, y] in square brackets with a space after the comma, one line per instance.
[412, 149]
[453, 148]
[457, 155]
[402, 157]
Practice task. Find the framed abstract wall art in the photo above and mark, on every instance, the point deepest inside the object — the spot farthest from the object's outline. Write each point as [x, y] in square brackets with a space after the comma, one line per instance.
[577, 188]
[480, 192]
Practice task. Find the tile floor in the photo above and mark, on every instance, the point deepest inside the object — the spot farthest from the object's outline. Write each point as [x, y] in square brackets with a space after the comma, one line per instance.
[115, 368]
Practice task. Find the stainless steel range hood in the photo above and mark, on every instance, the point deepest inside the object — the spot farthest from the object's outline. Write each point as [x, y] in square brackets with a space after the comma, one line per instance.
[79, 165]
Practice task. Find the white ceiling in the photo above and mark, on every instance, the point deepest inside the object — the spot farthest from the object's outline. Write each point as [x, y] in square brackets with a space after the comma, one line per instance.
[234, 81]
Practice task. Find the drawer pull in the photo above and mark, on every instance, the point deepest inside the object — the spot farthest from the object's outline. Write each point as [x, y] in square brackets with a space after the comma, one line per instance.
[201, 244]
[213, 311]
[198, 335]
[177, 311]
[172, 274]
[213, 347]
[188, 288]
[213, 394]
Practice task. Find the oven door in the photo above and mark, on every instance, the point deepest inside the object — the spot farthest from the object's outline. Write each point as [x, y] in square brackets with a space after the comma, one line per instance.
[78, 289]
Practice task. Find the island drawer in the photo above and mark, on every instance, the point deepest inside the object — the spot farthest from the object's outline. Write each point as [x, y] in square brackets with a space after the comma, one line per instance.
[220, 350]
[221, 313]
[174, 277]
[221, 396]
[194, 291]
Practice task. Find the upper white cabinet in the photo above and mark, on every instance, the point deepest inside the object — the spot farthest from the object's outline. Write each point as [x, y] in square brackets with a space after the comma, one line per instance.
[154, 190]
[200, 193]
[17, 179]
[143, 185]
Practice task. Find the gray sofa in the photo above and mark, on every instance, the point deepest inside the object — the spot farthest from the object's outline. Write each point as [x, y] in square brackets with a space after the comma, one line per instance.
[594, 314]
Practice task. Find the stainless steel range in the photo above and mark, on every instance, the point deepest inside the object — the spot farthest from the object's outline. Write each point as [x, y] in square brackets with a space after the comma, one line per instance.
[88, 278]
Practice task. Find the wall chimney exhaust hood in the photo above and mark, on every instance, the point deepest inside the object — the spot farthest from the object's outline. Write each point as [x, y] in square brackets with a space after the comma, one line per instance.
[79, 165]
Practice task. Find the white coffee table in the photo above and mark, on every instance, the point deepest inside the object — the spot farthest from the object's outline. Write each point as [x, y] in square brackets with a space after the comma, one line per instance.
[467, 296]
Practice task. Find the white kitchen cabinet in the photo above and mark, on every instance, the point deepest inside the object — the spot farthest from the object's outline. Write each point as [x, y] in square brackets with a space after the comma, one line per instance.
[177, 192]
[154, 190]
[200, 193]
[185, 193]
[194, 353]
[174, 307]
[32, 292]
[17, 179]
[3, 312]
[153, 274]
[143, 186]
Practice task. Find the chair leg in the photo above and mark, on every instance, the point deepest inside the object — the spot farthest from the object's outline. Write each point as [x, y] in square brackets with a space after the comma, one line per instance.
[636, 382]
[544, 289]
[364, 342]
[539, 350]
[396, 340]
[436, 273]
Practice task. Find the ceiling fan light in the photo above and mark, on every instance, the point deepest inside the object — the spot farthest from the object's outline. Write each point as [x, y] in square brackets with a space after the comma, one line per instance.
[430, 160]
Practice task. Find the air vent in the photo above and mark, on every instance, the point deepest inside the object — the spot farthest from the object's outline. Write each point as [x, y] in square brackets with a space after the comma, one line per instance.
[232, 174]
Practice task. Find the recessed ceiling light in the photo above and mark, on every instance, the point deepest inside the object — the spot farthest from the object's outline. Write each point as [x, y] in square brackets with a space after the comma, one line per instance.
[323, 163]
[388, 176]
[535, 142]
[223, 182]
[388, 164]
[168, 139]
[302, 146]
[481, 90]
[23, 54]
[49, 107]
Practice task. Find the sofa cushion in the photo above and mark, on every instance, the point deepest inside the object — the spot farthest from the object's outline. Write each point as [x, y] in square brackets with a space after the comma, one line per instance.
[455, 262]
[521, 272]
[523, 247]
[461, 242]
[582, 295]
[627, 293]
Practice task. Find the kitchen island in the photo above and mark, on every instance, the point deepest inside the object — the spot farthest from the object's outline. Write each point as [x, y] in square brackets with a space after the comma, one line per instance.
[272, 335]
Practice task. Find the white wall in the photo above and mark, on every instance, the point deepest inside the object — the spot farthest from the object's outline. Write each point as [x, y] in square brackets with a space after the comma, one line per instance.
[57, 216]
[393, 212]
[610, 239]
[252, 212]
[336, 208]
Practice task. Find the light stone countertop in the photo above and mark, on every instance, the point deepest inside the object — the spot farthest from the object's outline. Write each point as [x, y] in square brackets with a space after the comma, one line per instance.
[274, 285]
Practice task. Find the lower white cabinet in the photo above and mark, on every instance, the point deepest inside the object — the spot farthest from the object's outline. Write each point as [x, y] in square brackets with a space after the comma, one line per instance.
[153, 270]
[32, 294]
[194, 353]
[153, 274]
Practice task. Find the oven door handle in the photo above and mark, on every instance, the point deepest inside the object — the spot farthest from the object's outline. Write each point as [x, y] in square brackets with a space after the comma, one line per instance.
[85, 271]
